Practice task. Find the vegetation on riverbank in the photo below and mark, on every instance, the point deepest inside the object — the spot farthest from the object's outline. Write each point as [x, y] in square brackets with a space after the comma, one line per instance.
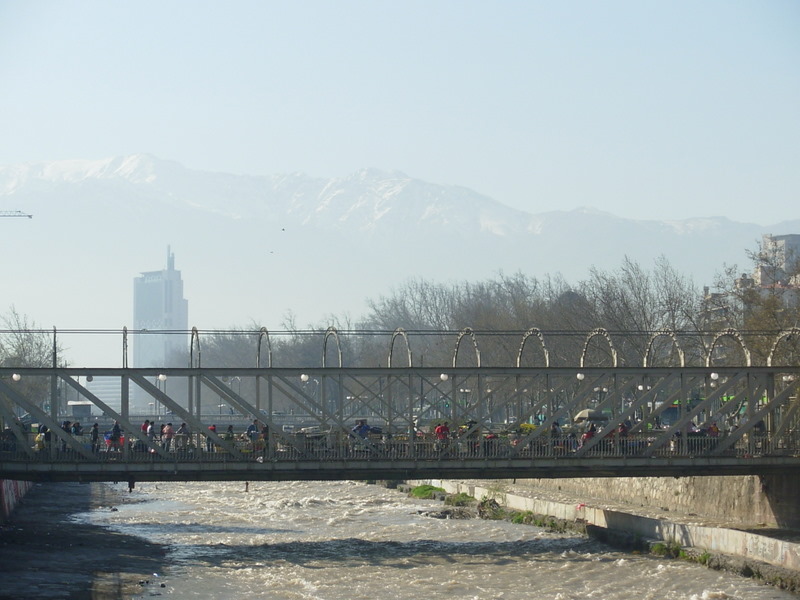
[459, 499]
[426, 492]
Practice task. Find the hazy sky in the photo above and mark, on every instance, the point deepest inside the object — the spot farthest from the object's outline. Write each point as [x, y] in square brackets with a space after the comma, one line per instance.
[643, 109]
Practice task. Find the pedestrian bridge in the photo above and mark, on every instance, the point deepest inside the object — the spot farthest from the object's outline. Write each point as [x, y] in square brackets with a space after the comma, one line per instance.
[677, 421]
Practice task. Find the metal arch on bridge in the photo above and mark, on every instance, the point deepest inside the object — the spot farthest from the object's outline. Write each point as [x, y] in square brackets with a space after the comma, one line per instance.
[400, 332]
[651, 343]
[734, 334]
[783, 335]
[599, 332]
[502, 419]
[263, 334]
[467, 331]
[545, 351]
[331, 333]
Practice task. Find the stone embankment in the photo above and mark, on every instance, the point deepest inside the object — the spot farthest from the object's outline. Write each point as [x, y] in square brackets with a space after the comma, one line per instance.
[768, 554]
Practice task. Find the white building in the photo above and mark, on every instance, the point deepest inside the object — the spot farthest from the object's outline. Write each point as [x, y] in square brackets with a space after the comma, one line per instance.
[776, 275]
[779, 261]
[106, 389]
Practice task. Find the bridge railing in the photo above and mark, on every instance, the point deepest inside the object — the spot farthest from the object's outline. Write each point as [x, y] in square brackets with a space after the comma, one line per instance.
[329, 447]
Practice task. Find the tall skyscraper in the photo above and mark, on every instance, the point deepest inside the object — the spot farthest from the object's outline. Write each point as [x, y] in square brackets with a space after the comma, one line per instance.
[159, 306]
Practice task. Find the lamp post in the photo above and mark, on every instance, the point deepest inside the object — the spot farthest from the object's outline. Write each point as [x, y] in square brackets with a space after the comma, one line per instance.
[714, 377]
[238, 381]
[16, 409]
[444, 402]
[646, 407]
[601, 392]
[161, 384]
[306, 379]
[230, 381]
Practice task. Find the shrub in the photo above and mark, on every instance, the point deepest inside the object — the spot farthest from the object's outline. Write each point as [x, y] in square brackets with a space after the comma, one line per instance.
[659, 549]
[460, 499]
[522, 518]
[667, 549]
[425, 492]
[489, 509]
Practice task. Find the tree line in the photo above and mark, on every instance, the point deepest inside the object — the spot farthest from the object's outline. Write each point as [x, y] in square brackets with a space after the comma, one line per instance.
[630, 301]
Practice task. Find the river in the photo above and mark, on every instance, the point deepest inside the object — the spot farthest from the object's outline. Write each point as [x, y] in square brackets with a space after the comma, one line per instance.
[347, 540]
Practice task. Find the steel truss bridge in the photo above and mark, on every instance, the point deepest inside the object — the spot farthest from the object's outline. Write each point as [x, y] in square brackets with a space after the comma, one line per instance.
[500, 418]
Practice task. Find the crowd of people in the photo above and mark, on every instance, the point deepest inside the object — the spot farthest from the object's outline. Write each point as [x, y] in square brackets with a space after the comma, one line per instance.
[44, 436]
[171, 438]
[438, 437]
[165, 435]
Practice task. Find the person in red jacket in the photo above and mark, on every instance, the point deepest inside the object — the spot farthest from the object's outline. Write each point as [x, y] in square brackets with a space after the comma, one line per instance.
[209, 441]
[442, 433]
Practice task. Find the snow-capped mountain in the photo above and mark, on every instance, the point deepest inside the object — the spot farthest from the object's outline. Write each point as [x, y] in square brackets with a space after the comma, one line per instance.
[253, 248]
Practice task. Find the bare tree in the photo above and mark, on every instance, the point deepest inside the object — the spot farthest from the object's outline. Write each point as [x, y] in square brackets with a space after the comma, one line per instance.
[24, 344]
[637, 302]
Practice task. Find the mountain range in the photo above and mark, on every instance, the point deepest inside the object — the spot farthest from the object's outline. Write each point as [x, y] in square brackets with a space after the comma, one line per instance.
[254, 249]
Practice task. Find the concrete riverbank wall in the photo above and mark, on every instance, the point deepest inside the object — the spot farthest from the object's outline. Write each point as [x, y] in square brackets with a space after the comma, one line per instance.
[755, 550]
[747, 501]
[11, 493]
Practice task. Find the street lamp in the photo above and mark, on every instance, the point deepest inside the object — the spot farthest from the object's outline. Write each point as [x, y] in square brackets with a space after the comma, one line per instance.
[238, 381]
[161, 385]
[229, 381]
[16, 377]
[314, 392]
[713, 377]
[464, 393]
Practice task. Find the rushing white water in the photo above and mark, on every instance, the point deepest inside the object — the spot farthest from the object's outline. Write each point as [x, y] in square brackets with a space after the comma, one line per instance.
[350, 541]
